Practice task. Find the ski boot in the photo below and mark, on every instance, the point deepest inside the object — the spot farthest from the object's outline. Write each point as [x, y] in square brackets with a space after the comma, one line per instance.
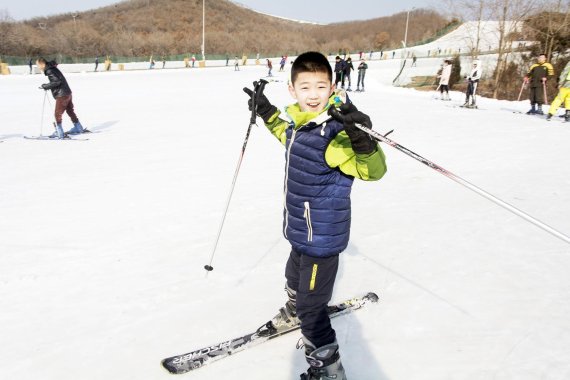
[58, 134]
[567, 116]
[549, 117]
[287, 316]
[532, 110]
[539, 110]
[349, 89]
[77, 129]
[357, 89]
[324, 362]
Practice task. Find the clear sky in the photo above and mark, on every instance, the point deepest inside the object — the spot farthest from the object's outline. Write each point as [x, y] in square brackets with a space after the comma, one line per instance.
[322, 11]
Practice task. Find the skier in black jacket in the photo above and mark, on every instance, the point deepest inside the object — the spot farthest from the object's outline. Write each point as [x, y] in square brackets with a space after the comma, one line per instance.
[339, 68]
[347, 69]
[62, 95]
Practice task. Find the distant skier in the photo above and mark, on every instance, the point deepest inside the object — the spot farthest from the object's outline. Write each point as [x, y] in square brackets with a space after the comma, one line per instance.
[96, 63]
[563, 94]
[163, 61]
[472, 82]
[62, 95]
[227, 59]
[30, 64]
[339, 68]
[348, 67]
[444, 79]
[536, 78]
[270, 67]
[282, 63]
[414, 60]
[236, 64]
[362, 67]
[193, 60]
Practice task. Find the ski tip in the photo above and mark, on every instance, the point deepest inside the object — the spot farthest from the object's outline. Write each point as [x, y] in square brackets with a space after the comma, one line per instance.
[372, 297]
[209, 268]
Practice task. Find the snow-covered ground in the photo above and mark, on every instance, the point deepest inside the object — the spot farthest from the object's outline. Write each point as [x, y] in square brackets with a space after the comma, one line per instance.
[103, 242]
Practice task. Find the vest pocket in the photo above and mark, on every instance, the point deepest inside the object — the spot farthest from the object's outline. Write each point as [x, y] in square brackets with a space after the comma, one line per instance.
[307, 216]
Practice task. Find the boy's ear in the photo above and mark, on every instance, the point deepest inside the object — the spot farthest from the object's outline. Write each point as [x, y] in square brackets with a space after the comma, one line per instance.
[333, 87]
[292, 91]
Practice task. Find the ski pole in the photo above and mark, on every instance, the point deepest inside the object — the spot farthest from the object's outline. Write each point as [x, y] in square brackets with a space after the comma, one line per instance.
[465, 183]
[544, 89]
[258, 88]
[43, 112]
[520, 93]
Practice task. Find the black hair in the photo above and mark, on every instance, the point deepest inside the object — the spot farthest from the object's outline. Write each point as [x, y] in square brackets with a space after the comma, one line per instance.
[311, 62]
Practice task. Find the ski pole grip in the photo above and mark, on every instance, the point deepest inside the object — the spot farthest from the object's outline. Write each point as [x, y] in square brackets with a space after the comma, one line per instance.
[258, 89]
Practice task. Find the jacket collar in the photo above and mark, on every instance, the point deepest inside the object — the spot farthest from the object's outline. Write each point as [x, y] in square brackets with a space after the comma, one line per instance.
[300, 118]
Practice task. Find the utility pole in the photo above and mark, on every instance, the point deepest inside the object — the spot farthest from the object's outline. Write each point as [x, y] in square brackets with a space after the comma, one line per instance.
[74, 22]
[406, 33]
[203, 29]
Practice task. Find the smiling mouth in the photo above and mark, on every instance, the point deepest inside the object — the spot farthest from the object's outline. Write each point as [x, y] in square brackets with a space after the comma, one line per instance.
[313, 105]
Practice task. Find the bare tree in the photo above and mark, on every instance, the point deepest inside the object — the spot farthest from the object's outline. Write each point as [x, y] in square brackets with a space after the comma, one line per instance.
[6, 26]
[510, 14]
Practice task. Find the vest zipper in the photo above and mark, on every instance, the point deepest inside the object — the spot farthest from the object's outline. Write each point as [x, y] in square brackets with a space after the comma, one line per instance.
[286, 181]
[307, 216]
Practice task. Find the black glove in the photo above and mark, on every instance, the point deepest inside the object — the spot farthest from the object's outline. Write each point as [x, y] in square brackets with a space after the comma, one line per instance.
[264, 109]
[349, 115]
[44, 87]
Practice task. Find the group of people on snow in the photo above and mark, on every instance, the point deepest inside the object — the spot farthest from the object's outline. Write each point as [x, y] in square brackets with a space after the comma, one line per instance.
[343, 69]
[535, 80]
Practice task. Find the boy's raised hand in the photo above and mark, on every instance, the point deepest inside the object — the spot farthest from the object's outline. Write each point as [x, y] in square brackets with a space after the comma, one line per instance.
[264, 108]
[349, 115]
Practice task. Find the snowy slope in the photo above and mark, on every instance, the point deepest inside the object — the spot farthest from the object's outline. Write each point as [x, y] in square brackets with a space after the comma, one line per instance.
[103, 242]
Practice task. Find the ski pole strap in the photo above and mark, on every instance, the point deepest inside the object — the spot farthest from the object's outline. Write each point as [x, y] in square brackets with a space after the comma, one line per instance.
[465, 183]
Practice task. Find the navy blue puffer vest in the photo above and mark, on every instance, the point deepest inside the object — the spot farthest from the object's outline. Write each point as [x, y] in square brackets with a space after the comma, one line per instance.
[317, 197]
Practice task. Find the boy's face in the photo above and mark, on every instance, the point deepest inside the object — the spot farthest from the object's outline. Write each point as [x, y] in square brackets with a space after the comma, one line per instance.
[541, 58]
[312, 91]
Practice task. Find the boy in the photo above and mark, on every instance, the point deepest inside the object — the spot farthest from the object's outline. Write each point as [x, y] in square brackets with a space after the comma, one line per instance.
[563, 95]
[536, 77]
[62, 95]
[325, 151]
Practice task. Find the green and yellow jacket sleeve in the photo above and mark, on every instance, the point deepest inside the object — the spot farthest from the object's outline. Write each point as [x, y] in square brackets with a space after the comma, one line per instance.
[564, 80]
[277, 127]
[368, 167]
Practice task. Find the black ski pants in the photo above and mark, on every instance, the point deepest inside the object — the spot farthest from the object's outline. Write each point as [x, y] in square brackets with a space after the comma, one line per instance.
[339, 77]
[536, 95]
[471, 91]
[313, 279]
